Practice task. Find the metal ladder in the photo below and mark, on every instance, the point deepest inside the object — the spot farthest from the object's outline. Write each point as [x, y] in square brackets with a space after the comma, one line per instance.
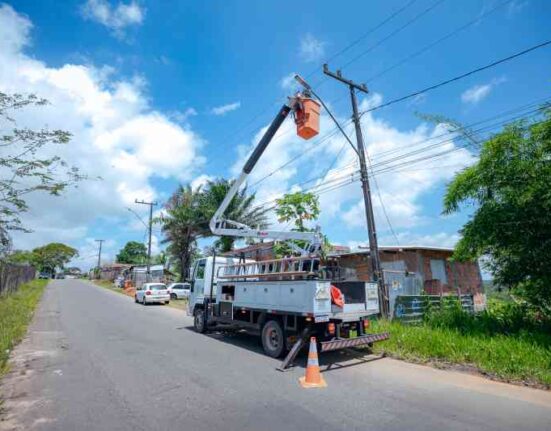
[287, 268]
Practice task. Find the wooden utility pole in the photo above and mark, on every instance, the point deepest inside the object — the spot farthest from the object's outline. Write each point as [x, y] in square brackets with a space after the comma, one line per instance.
[372, 232]
[101, 241]
[151, 205]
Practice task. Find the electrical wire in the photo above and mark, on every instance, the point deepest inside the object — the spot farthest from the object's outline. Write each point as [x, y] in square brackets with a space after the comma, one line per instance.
[394, 33]
[457, 78]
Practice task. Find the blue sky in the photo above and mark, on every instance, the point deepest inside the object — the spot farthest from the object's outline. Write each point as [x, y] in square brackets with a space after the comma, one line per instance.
[158, 93]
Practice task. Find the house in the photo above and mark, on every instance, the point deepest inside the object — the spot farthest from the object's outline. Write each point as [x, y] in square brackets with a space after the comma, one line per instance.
[113, 270]
[429, 268]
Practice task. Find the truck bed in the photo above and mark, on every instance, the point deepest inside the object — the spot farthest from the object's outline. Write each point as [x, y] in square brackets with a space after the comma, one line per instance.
[305, 297]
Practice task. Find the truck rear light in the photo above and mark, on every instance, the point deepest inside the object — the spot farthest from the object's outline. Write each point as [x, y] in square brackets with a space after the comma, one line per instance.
[366, 324]
[331, 328]
[148, 292]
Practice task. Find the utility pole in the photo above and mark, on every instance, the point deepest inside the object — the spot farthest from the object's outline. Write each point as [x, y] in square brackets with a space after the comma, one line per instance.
[99, 253]
[372, 233]
[151, 205]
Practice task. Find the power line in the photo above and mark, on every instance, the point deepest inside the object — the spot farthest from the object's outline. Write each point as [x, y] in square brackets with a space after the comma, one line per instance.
[457, 78]
[394, 33]
[406, 155]
[440, 40]
[362, 37]
[393, 15]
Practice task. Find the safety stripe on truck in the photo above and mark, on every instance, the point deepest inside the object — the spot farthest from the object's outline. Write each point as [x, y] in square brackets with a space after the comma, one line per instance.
[327, 346]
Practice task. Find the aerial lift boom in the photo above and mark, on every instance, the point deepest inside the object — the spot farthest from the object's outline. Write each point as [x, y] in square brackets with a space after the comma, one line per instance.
[221, 226]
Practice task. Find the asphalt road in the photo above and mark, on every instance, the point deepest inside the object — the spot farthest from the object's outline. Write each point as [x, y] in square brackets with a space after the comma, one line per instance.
[94, 360]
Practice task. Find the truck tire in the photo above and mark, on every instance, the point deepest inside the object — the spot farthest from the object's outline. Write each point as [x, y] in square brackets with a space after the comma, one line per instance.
[199, 320]
[273, 339]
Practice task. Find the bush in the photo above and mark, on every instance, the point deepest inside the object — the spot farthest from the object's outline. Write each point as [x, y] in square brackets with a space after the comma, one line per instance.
[509, 340]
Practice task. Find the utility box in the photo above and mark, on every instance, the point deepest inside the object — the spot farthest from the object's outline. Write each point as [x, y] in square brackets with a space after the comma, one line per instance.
[307, 118]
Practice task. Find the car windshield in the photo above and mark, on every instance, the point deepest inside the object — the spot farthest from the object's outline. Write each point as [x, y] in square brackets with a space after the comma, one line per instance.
[157, 287]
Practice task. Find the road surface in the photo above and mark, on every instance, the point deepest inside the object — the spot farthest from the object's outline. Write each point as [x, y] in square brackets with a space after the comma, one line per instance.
[94, 360]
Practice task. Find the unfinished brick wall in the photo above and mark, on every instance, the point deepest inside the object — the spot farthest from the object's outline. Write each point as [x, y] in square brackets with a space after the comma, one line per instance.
[464, 277]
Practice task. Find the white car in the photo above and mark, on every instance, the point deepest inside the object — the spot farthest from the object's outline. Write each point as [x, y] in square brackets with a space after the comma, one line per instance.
[152, 292]
[179, 290]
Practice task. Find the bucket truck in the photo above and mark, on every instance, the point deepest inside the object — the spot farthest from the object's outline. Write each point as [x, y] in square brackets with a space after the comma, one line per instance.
[284, 301]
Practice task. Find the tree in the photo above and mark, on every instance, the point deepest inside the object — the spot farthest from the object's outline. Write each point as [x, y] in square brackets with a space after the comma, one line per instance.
[133, 252]
[21, 257]
[511, 224]
[296, 208]
[52, 256]
[25, 169]
[241, 209]
[182, 224]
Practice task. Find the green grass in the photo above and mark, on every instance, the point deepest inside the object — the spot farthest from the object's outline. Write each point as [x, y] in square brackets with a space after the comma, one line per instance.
[502, 343]
[108, 285]
[16, 311]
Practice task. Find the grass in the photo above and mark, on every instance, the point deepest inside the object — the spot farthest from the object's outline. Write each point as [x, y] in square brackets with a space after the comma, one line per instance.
[505, 342]
[108, 285]
[16, 311]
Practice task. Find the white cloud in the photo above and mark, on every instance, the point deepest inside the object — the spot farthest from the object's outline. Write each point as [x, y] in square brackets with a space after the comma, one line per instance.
[289, 83]
[402, 183]
[116, 136]
[311, 49]
[224, 109]
[116, 18]
[478, 93]
[200, 181]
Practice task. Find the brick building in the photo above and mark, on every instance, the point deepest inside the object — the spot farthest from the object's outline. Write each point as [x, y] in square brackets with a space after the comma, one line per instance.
[429, 269]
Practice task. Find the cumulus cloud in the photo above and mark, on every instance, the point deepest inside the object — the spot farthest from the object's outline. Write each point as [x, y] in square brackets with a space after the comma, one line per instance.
[116, 18]
[116, 136]
[289, 83]
[311, 49]
[401, 183]
[224, 109]
[477, 93]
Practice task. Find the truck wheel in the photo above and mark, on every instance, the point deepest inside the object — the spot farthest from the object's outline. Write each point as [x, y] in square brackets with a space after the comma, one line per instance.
[273, 339]
[173, 296]
[199, 321]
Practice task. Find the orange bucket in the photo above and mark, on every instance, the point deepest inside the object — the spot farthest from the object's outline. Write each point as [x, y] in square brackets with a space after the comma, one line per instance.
[307, 118]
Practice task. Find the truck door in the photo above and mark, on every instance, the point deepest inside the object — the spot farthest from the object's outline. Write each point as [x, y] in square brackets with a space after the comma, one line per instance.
[199, 279]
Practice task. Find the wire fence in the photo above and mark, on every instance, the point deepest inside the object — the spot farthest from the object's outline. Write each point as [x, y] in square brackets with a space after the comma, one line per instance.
[12, 276]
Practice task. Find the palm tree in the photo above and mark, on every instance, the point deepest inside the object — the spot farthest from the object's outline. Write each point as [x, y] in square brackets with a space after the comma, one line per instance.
[241, 209]
[182, 224]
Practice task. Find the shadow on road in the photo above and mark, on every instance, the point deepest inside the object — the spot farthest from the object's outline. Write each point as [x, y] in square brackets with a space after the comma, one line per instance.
[330, 361]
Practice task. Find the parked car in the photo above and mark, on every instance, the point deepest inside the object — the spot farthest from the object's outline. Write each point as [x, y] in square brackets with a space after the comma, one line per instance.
[44, 276]
[152, 292]
[179, 290]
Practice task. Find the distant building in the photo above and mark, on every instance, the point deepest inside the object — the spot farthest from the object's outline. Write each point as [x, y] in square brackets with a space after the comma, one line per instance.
[113, 270]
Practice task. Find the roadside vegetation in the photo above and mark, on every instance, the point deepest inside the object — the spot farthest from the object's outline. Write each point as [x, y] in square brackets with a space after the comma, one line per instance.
[16, 311]
[510, 341]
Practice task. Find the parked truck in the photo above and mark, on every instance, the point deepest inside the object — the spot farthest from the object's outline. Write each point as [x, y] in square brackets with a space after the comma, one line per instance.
[284, 301]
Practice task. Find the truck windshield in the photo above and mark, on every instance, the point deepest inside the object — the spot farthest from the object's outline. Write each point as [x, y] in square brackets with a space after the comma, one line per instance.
[157, 287]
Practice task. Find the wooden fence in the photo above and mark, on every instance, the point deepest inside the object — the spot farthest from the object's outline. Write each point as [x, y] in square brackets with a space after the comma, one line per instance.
[12, 276]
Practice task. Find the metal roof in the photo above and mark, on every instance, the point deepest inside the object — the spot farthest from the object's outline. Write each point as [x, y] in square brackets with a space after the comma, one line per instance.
[397, 249]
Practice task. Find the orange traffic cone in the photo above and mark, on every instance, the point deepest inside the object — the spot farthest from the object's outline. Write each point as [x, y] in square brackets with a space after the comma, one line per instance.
[313, 378]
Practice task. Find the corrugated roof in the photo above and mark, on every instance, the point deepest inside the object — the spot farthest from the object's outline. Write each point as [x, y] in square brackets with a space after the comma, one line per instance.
[398, 248]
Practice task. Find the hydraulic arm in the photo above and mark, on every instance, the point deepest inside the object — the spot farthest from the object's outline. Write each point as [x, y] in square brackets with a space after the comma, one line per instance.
[221, 226]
